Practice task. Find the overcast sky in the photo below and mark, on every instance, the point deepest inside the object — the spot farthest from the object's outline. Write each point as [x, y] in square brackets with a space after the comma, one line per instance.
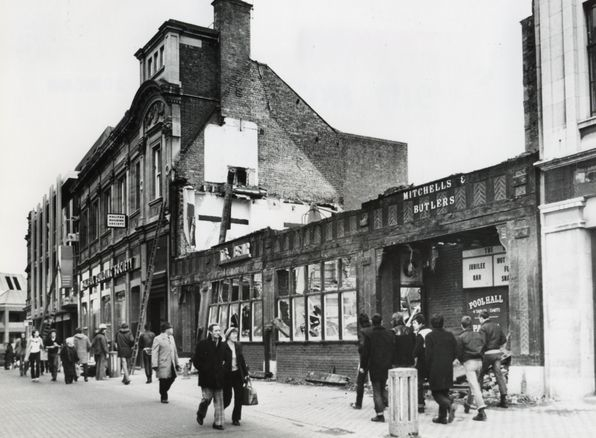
[443, 76]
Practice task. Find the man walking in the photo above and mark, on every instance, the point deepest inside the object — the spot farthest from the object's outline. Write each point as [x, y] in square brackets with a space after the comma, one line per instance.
[164, 359]
[419, 326]
[124, 341]
[100, 352]
[20, 350]
[82, 345]
[441, 348]
[364, 322]
[210, 359]
[495, 340]
[53, 350]
[378, 355]
[404, 342]
[469, 352]
[146, 343]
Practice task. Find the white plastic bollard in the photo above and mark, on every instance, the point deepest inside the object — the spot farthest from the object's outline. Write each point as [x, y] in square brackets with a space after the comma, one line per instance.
[403, 402]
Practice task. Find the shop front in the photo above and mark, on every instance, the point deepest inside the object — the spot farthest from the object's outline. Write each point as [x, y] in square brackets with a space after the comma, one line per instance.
[455, 246]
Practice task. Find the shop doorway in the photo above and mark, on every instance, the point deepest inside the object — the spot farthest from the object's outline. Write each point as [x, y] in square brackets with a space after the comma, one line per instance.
[156, 312]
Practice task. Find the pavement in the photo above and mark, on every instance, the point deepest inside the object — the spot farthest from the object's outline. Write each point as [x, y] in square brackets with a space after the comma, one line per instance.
[110, 409]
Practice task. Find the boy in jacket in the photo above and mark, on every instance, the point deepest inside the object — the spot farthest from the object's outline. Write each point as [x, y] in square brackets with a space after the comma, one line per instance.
[470, 348]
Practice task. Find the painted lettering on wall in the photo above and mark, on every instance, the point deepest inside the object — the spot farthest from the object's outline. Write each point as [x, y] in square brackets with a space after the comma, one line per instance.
[115, 271]
[434, 187]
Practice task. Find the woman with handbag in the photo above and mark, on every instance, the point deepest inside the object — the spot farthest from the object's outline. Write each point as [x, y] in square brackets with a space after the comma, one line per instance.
[236, 376]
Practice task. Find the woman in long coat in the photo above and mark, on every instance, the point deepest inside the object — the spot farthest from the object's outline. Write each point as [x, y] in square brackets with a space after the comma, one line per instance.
[236, 375]
[164, 360]
[441, 351]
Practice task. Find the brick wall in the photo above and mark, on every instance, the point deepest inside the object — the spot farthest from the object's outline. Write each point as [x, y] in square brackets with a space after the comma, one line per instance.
[199, 69]
[295, 360]
[372, 166]
[530, 81]
[254, 355]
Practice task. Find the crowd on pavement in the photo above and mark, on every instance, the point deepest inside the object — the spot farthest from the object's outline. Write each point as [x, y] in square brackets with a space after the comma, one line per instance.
[223, 374]
[433, 352]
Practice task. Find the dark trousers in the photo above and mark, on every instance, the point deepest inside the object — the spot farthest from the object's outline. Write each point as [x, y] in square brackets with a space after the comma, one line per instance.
[100, 366]
[493, 360]
[234, 382]
[147, 365]
[53, 362]
[444, 402]
[85, 370]
[420, 388]
[165, 384]
[34, 365]
[360, 381]
[380, 395]
[70, 372]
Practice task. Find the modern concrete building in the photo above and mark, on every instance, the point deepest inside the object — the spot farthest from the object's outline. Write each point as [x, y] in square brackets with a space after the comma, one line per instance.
[13, 294]
[564, 34]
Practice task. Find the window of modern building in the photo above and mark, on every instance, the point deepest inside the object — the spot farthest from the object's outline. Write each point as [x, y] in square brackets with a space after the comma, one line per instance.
[16, 283]
[237, 302]
[106, 207]
[317, 302]
[590, 11]
[94, 221]
[156, 168]
[9, 283]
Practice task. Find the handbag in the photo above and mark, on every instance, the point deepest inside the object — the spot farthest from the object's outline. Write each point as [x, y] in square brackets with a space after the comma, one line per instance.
[249, 395]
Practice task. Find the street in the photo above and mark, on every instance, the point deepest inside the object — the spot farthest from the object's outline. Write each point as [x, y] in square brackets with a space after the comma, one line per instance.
[110, 409]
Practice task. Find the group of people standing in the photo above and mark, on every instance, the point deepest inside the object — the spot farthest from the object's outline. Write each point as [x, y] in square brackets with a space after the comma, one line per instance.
[433, 352]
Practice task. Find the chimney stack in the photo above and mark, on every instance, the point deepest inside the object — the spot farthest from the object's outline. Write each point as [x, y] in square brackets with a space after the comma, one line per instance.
[232, 21]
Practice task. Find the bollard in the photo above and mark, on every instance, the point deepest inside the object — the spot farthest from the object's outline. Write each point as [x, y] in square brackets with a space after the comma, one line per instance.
[114, 364]
[403, 402]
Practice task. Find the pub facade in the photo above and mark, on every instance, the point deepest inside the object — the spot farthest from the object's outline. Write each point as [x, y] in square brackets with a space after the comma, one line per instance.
[454, 246]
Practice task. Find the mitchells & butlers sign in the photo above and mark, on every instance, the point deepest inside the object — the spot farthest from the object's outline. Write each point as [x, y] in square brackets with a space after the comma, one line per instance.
[442, 197]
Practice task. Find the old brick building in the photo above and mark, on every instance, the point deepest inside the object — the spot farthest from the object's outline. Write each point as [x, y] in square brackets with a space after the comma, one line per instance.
[453, 246]
[217, 139]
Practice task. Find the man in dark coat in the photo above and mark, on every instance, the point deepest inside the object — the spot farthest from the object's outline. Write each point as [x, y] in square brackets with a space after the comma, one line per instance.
[53, 349]
[145, 343]
[404, 342]
[100, 352]
[20, 350]
[124, 341]
[211, 360]
[495, 339]
[419, 325]
[441, 351]
[378, 355]
[364, 322]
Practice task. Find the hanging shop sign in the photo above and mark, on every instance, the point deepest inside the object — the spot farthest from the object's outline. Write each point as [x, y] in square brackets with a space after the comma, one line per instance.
[485, 267]
[115, 271]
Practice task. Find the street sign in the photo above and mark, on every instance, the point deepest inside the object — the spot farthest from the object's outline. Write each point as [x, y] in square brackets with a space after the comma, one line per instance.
[116, 220]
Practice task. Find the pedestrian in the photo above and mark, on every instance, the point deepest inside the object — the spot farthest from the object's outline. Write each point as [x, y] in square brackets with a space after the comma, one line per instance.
[237, 374]
[378, 353]
[53, 350]
[471, 345]
[404, 342]
[83, 346]
[34, 349]
[145, 343]
[69, 358]
[210, 359]
[495, 342]
[441, 349]
[100, 352]
[164, 359]
[364, 323]
[8, 356]
[43, 361]
[124, 342]
[20, 352]
[420, 329]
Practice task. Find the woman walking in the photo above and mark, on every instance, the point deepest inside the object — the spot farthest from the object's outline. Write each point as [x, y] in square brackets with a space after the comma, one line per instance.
[236, 376]
[34, 349]
[69, 358]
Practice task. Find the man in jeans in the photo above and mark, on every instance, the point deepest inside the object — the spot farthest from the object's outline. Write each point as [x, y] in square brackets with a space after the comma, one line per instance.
[469, 352]
[495, 340]
[364, 322]
[378, 353]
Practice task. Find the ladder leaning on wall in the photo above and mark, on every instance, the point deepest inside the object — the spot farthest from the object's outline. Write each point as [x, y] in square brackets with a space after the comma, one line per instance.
[147, 287]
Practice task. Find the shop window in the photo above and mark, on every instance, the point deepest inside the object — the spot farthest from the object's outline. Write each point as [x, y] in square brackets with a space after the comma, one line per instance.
[320, 303]
[236, 302]
[120, 307]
